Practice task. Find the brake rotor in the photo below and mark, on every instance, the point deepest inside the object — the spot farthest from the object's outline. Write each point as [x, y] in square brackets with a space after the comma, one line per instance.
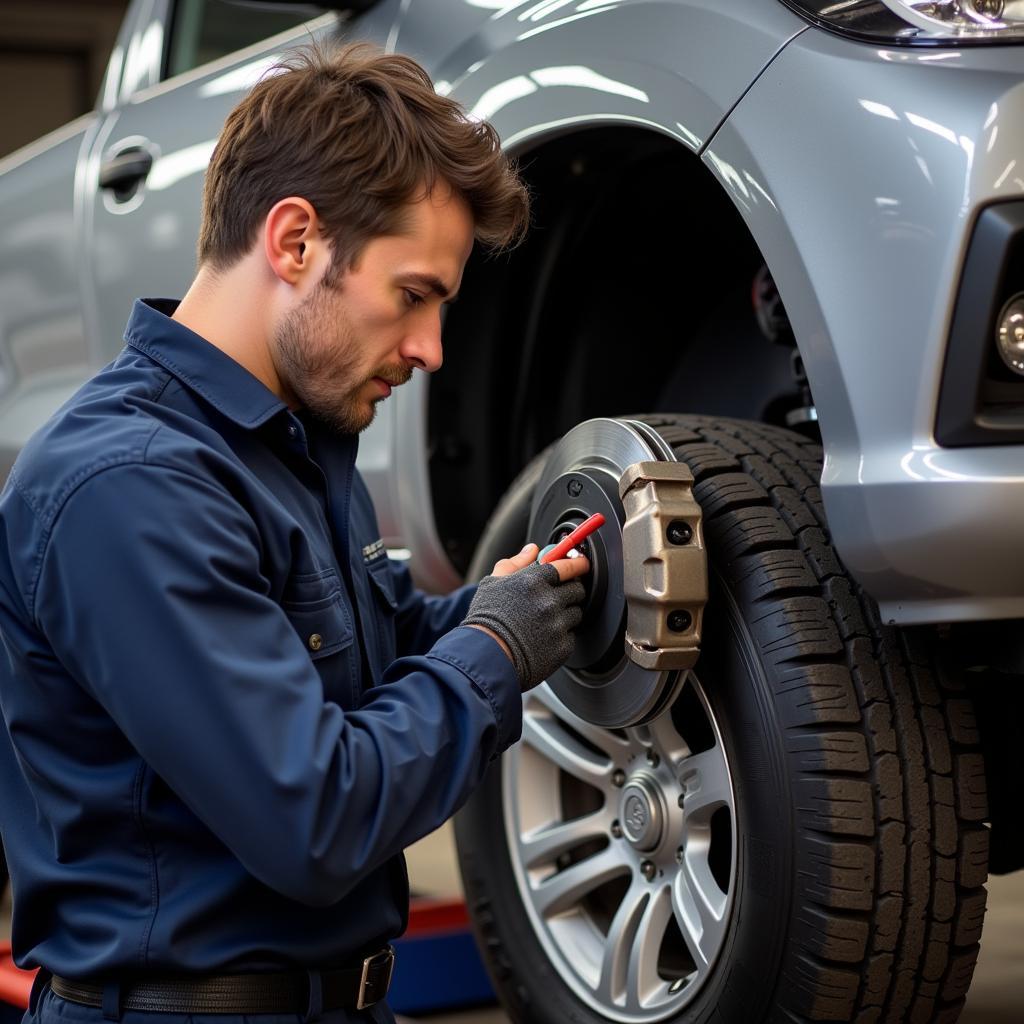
[599, 682]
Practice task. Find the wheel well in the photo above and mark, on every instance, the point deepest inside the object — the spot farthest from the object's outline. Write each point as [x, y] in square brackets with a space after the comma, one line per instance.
[631, 294]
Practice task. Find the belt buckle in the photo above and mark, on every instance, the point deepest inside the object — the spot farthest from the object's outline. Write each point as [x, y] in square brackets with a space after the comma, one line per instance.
[383, 958]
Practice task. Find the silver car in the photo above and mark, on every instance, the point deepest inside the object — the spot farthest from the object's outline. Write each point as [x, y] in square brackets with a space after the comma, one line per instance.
[778, 265]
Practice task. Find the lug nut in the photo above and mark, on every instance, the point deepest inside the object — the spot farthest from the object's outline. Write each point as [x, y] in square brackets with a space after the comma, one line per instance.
[679, 621]
[648, 870]
[652, 758]
[616, 830]
[682, 799]
[575, 488]
[679, 532]
[618, 778]
[679, 855]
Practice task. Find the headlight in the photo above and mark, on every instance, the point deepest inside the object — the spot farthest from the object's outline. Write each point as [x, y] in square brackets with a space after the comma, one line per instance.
[919, 21]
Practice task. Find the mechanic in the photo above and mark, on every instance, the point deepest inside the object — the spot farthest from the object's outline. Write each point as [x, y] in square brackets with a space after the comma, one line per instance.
[227, 710]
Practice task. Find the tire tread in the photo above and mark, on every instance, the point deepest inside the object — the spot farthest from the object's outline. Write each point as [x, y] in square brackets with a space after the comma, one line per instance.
[881, 749]
[890, 795]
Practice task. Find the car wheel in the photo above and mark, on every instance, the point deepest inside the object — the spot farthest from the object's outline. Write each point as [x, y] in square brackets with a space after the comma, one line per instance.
[792, 831]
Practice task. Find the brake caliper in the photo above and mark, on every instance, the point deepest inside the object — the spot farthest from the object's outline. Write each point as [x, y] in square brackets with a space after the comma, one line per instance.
[665, 575]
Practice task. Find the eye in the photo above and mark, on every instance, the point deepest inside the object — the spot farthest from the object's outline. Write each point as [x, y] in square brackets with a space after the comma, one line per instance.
[413, 298]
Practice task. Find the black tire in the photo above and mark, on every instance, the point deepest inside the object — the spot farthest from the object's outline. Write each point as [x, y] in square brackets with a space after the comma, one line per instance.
[860, 791]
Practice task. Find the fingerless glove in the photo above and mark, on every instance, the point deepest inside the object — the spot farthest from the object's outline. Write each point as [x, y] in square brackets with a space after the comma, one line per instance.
[534, 613]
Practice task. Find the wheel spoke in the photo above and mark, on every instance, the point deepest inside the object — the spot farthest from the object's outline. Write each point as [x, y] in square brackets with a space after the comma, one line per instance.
[545, 734]
[560, 892]
[699, 906]
[663, 736]
[706, 778]
[619, 944]
[642, 980]
[619, 947]
[613, 745]
[542, 845]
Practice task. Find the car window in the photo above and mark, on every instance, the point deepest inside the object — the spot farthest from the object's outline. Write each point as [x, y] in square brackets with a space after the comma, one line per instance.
[203, 30]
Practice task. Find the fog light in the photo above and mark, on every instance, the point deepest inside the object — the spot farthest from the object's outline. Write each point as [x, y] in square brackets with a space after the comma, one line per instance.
[1010, 334]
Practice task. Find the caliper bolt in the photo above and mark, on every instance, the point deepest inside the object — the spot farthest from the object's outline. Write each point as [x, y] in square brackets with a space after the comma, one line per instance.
[575, 488]
[679, 621]
[618, 778]
[648, 870]
[679, 532]
[616, 830]
[652, 758]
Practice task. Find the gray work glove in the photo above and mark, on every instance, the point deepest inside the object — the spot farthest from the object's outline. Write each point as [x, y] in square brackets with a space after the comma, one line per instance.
[534, 614]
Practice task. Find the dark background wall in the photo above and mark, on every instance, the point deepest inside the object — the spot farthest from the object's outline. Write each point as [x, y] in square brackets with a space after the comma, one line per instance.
[52, 57]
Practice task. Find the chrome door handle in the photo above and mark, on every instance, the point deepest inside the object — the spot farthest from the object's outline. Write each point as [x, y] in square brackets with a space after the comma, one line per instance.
[125, 170]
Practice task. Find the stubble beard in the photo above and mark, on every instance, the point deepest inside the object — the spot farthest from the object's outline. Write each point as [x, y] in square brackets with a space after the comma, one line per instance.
[321, 368]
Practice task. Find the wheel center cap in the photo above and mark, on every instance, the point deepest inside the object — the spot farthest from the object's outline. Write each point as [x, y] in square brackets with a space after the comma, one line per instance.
[640, 813]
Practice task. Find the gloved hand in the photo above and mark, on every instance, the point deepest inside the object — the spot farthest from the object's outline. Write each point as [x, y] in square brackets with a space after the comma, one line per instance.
[532, 611]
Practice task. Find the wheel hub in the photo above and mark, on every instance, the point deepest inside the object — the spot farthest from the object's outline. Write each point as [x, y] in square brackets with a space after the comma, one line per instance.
[641, 813]
[581, 477]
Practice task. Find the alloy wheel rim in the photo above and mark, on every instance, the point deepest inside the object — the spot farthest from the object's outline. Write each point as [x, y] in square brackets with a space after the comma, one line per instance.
[623, 845]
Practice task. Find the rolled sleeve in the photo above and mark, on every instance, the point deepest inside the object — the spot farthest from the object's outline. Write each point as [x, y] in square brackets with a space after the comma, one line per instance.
[151, 594]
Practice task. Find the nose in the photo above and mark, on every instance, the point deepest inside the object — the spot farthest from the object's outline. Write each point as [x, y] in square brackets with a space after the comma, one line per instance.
[422, 347]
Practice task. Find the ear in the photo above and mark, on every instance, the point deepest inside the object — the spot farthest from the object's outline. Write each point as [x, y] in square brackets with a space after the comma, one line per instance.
[292, 241]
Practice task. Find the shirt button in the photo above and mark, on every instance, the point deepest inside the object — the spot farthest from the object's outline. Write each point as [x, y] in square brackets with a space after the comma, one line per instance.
[316, 641]
[293, 431]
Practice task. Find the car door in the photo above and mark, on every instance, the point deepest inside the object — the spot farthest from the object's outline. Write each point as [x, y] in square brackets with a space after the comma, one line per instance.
[188, 63]
[45, 351]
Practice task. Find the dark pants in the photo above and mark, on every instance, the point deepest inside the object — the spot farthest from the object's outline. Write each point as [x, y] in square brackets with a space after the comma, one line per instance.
[47, 1008]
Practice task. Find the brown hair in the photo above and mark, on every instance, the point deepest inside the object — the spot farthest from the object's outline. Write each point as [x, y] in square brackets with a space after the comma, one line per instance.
[360, 134]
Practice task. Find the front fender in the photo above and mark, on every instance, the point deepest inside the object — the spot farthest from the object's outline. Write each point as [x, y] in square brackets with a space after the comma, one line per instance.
[537, 70]
[860, 172]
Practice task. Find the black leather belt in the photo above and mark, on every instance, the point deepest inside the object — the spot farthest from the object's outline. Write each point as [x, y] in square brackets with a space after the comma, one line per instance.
[350, 988]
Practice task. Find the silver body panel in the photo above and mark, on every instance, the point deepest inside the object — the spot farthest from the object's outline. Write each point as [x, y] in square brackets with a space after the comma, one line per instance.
[534, 69]
[861, 193]
[44, 353]
[859, 172]
[537, 70]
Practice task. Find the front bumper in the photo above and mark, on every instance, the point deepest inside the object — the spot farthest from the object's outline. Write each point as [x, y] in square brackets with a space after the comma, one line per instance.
[861, 172]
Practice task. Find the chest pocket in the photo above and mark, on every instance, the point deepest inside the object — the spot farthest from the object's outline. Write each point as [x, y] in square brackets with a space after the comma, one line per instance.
[315, 606]
[383, 587]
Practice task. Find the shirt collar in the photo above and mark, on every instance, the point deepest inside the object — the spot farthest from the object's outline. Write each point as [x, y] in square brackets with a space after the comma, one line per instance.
[201, 366]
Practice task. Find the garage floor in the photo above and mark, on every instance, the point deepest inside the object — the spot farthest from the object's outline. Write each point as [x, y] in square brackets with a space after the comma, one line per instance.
[997, 995]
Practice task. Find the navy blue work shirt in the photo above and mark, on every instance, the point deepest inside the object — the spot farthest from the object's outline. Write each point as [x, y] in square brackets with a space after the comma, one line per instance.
[227, 710]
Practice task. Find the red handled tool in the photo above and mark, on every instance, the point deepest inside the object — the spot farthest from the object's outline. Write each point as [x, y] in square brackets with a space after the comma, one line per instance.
[580, 534]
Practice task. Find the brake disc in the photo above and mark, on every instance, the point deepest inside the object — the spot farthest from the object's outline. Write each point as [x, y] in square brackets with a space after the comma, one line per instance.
[599, 682]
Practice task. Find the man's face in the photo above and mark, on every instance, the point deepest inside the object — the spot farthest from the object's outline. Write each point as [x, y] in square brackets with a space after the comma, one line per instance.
[347, 345]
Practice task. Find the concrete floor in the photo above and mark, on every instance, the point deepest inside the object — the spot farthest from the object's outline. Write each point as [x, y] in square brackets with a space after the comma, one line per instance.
[996, 996]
